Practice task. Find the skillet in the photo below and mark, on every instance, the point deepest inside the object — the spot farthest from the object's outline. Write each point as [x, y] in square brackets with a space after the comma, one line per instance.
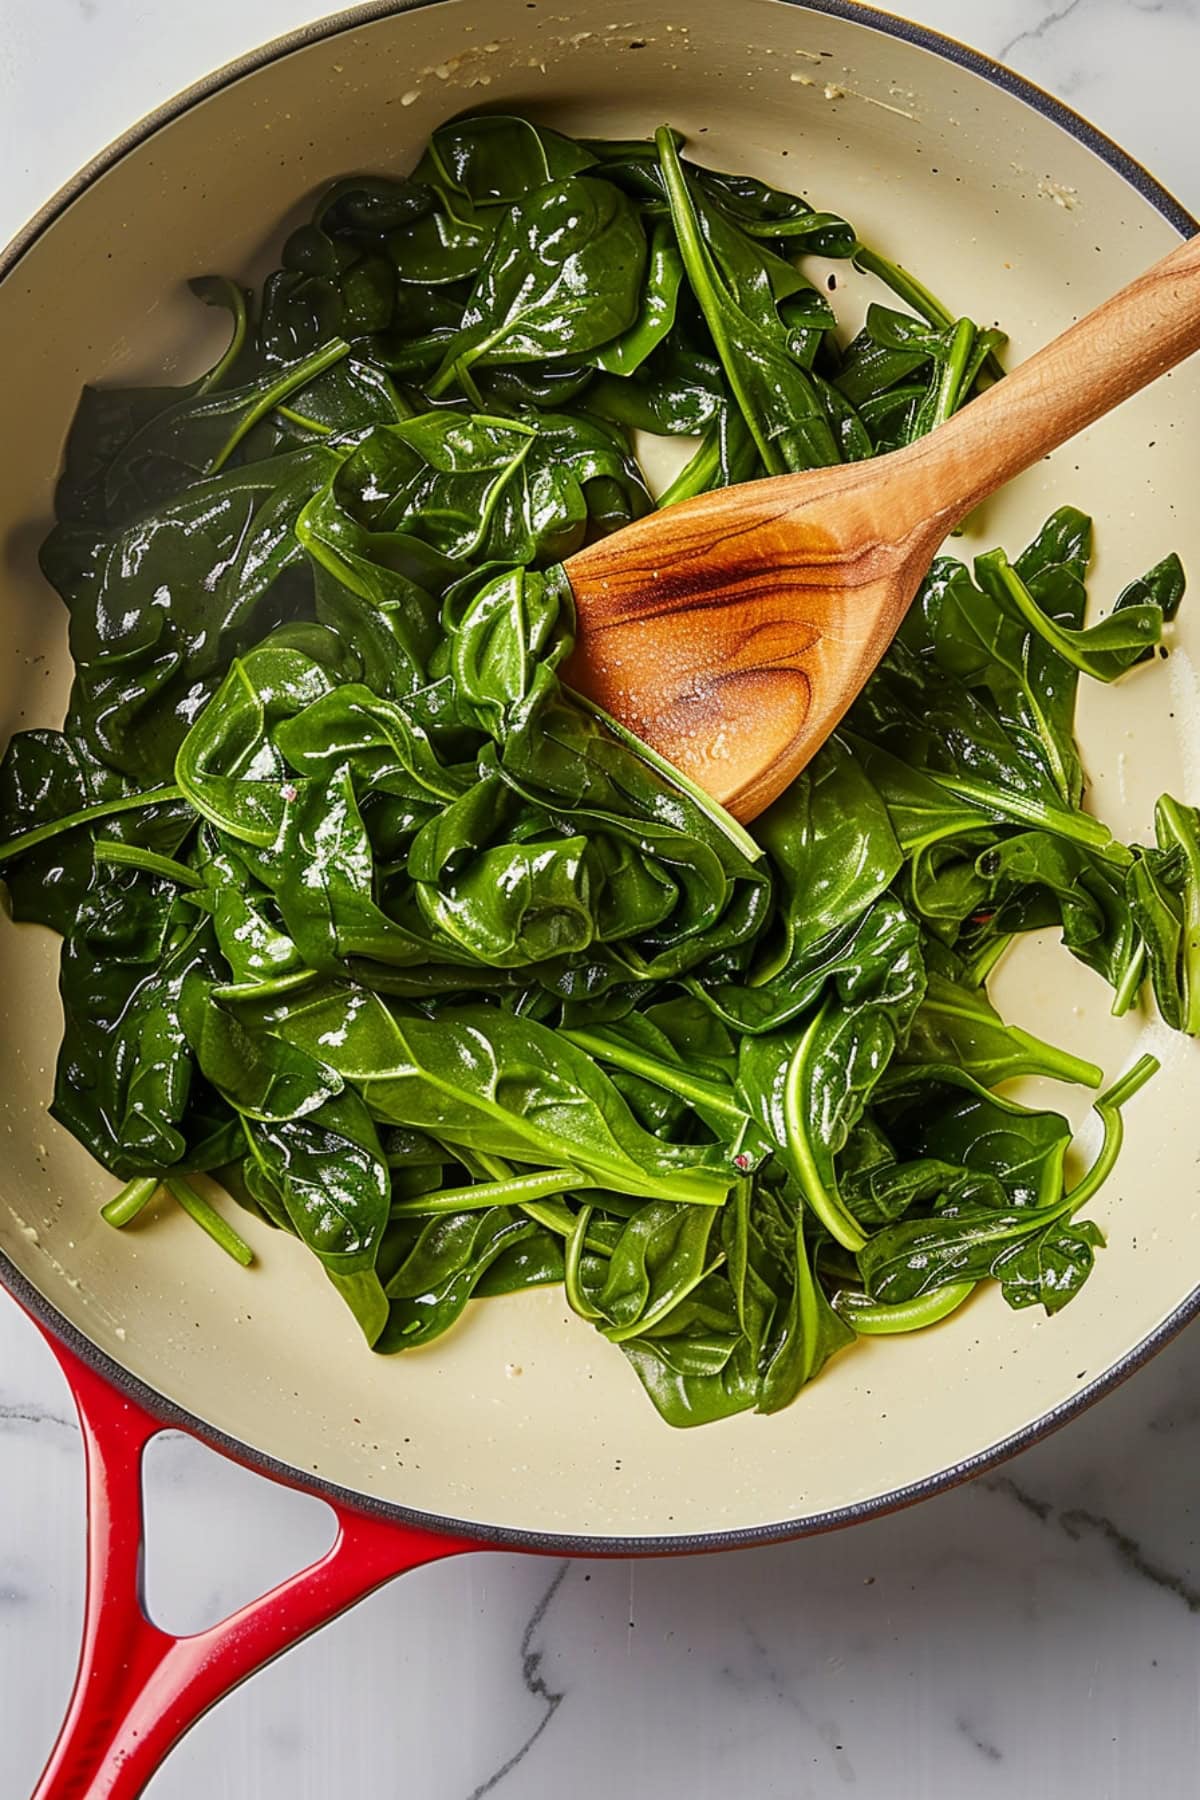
[515, 1432]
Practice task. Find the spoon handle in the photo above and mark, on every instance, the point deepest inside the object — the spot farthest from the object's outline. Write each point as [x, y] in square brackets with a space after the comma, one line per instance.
[1114, 352]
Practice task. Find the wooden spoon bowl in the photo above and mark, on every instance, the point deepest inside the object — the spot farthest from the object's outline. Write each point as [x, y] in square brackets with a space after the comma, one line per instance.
[731, 632]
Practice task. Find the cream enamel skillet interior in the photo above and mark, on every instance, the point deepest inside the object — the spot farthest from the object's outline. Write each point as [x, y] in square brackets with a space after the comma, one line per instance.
[522, 1425]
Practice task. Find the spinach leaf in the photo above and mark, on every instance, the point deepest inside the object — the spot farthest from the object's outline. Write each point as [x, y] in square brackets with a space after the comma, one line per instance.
[46, 777]
[196, 437]
[661, 1256]
[228, 767]
[976, 634]
[807, 1332]
[159, 609]
[261, 1076]
[957, 1029]
[1050, 1266]
[1020, 1148]
[1105, 650]
[808, 1088]
[565, 266]
[624, 354]
[332, 1181]
[443, 489]
[1031, 880]
[126, 1073]
[441, 1269]
[498, 158]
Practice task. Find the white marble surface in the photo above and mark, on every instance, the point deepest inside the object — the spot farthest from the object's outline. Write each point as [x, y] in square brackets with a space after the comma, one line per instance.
[1034, 1635]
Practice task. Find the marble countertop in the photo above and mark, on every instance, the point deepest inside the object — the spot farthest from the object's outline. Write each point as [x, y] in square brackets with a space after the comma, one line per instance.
[1035, 1634]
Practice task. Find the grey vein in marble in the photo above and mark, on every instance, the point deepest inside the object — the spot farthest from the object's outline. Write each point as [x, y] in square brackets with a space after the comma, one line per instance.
[534, 1683]
[13, 1416]
[1080, 1522]
[1054, 17]
[1183, 9]
[990, 1752]
[789, 1694]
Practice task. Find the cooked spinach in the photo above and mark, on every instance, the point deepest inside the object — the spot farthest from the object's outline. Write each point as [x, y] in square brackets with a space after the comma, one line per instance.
[371, 921]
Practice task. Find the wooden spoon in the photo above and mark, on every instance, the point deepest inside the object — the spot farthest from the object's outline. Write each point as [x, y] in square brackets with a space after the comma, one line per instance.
[732, 631]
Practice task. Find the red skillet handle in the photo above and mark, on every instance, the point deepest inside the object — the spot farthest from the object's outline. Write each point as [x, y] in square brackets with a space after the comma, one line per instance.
[138, 1689]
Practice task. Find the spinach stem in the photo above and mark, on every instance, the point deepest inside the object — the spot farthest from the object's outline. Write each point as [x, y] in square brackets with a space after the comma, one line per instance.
[1130, 984]
[467, 383]
[555, 1215]
[209, 1220]
[298, 418]
[950, 387]
[577, 1298]
[133, 1199]
[906, 287]
[914, 293]
[511, 1190]
[298, 375]
[1061, 640]
[1080, 827]
[547, 1212]
[265, 990]
[984, 961]
[1175, 828]
[455, 368]
[1108, 1106]
[104, 809]
[878, 1318]
[132, 856]
[698, 474]
[1127, 1085]
[703, 280]
[824, 1201]
[701, 1093]
[737, 834]
[218, 290]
